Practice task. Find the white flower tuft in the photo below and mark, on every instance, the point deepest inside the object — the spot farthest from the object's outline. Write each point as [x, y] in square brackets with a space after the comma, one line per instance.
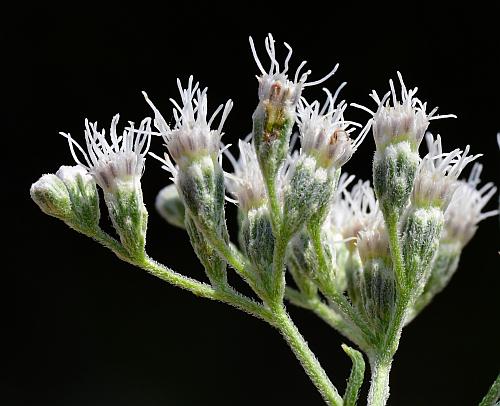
[274, 84]
[325, 133]
[117, 161]
[405, 120]
[246, 184]
[355, 211]
[437, 175]
[191, 136]
[465, 209]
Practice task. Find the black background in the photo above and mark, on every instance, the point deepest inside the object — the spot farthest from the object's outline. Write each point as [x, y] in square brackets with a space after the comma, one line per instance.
[91, 330]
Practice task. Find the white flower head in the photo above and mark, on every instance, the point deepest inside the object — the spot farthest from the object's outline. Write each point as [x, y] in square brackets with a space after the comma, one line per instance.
[117, 161]
[274, 84]
[465, 209]
[355, 211]
[373, 242]
[191, 136]
[324, 132]
[404, 120]
[437, 175]
[246, 184]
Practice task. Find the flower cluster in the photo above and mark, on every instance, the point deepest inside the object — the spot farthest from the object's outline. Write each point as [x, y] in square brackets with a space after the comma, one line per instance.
[365, 259]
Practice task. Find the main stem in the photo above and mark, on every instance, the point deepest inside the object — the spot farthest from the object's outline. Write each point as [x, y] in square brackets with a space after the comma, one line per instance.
[381, 362]
[306, 357]
[379, 389]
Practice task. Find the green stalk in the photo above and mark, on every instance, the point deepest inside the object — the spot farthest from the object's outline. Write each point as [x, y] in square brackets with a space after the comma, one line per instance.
[224, 294]
[274, 205]
[379, 389]
[331, 292]
[493, 394]
[381, 363]
[306, 358]
[278, 277]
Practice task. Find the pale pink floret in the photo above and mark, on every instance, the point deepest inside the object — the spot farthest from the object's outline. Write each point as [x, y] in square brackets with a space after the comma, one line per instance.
[404, 119]
[116, 161]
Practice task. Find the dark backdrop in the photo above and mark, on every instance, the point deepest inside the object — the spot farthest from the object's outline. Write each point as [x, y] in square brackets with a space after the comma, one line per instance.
[91, 330]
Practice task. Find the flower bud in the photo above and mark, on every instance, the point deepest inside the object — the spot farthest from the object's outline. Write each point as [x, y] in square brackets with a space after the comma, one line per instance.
[117, 164]
[420, 240]
[258, 245]
[195, 148]
[84, 197]
[170, 206]
[437, 175]
[246, 184]
[394, 171]
[465, 210]
[51, 195]
[201, 185]
[303, 255]
[461, 219]
[303, 264]
[274, 116]
[375, 284]
[70, 195]
[353, 269]
[308, 192]
[324, 134]
[443, 268]
[398, 131]
[215, 267]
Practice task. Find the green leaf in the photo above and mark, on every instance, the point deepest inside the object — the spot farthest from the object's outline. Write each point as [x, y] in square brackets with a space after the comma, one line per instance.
[356, 378]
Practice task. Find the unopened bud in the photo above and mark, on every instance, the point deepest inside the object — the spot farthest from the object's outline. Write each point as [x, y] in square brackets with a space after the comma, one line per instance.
[308, 193]
[170, 206]
[375, 284]
[51, 195]
[215, 267]
[258, 244]
[421, 232]
[201, 185]
[84, 197]
[394, 171]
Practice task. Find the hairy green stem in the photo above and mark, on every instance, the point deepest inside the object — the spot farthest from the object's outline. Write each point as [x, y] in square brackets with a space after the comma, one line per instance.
[493, 394]
[225, 294]
[328, 315]
[379, 388]
[331, 292]
[277, 317]
[306, 357]
[396, 324]
[274, 205]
